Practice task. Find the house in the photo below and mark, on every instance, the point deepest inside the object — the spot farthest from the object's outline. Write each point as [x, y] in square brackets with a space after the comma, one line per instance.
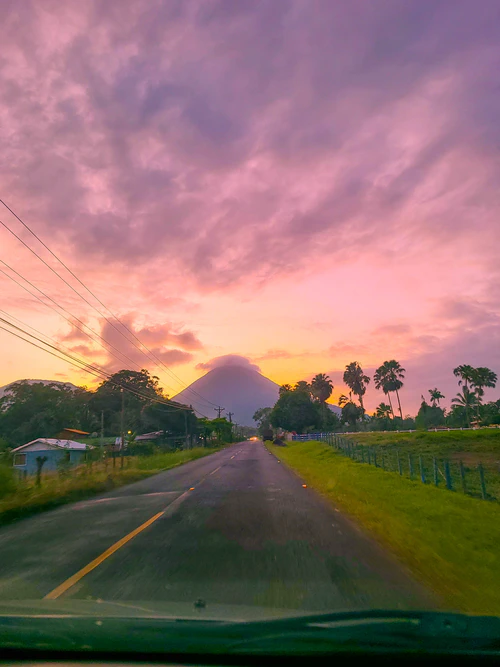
[68, 433]
[55, 451]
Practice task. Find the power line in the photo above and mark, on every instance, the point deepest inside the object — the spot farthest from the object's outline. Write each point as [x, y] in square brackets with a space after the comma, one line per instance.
[82, 365]
[26, 226]
[73, 317]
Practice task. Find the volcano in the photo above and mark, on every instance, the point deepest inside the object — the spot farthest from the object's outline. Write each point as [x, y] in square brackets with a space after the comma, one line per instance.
[239, 390]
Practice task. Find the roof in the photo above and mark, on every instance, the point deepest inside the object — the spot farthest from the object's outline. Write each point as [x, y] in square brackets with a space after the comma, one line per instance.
[75, 430]
[54, 442]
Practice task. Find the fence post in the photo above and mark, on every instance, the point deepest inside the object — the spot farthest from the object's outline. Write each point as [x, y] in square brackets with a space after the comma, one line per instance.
[462, 477]
[410, 466]
[400, 470]
[422, 471]
[383, 461]
[447, 475]
[436, 472]
[362, 455]
[369, 456]
[483, 483]
[375, 458]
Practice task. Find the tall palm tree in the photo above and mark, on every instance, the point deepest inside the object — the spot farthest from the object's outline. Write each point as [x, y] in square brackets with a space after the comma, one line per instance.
[482, 377]
[436, 396]
[466, 374]
[304, 386]
[357, 382]
[321, 387]
[395, 377]
[381, 382]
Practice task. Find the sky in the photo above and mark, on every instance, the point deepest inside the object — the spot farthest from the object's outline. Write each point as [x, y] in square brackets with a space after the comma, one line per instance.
[304, 184]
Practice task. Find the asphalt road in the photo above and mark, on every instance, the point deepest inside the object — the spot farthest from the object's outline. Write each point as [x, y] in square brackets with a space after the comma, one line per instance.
[235, 528]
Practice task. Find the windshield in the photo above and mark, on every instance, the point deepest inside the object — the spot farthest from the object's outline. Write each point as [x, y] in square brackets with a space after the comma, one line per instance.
[249, 332]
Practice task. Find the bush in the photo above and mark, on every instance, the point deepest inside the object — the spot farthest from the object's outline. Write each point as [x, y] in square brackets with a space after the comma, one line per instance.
[8, 482]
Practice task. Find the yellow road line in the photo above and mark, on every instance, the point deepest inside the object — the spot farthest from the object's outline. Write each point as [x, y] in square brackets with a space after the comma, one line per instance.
[213, 471]
[62, 588]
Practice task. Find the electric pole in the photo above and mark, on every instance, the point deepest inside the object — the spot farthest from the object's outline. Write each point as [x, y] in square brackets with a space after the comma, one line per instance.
[102, 434]
[123, 428]
[230, 415]
[218, 410]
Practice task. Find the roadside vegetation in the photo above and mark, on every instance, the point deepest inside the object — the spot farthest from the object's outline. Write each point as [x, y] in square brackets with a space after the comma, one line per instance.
[449, 541]
[23, 497]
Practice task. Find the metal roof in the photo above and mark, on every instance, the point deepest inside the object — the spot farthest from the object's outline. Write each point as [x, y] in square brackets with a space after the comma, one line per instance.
[55, 442]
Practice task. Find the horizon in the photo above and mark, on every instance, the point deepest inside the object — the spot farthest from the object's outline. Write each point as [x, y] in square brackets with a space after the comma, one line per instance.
[298, 188]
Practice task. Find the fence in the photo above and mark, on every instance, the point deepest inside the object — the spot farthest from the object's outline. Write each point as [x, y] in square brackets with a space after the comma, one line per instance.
[450, 474]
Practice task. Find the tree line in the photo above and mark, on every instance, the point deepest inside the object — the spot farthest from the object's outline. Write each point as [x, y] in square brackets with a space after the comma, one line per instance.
[30, 411]
[303, 408]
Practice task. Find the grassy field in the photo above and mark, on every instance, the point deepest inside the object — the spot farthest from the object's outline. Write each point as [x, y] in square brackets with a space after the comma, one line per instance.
[19, 498]
[470, 447]
[449, 541]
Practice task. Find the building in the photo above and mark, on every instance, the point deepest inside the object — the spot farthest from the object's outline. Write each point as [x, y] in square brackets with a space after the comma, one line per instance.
[55, 451]
[68, 433]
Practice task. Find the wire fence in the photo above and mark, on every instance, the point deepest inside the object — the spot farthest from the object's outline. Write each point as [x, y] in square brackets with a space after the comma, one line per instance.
[451, 474]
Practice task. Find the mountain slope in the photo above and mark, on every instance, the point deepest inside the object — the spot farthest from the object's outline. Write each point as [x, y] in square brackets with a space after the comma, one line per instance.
[239, 390]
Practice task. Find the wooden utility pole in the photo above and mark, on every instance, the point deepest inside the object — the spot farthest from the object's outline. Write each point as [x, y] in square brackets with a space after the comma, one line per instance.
[230, 415]
[122, 428]
[218, 410]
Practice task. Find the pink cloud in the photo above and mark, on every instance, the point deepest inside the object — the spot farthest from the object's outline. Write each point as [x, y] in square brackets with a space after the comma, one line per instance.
[227, 360]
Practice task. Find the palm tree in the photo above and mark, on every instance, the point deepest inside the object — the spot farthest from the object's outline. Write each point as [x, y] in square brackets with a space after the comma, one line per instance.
[482, 377]
[304, 386]
[381, 382]
[357, 381]
[466, 374]
[436, 396]
[383, 411]
[321, 387]
[467, 400]
[389, 377]
[343, 400]
[395, 376]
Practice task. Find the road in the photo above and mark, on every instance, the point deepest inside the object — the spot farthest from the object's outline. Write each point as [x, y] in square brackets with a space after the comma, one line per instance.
[235, 528]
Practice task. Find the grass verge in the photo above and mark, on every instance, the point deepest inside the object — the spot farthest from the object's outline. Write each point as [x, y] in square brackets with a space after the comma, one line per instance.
[25, 498]
[449, 541]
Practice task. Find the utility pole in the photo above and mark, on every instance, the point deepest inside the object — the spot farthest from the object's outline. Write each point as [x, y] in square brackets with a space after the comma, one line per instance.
[218, 410]
[186, 429]
[122, 428]
[230, 415]
[102, 434]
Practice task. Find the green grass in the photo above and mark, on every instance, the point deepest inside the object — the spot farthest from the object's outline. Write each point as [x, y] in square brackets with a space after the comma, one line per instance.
[470, 447]
[25, 498]
[449, 541]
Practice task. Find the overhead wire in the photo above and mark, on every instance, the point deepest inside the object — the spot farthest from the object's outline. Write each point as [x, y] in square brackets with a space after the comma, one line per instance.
[82, 365]
[155, 357]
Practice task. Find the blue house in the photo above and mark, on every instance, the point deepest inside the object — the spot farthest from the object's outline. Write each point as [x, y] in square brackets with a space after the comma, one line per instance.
[55, 451]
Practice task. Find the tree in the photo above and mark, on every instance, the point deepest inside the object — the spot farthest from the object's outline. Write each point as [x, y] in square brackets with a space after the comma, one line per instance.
[466, 400]
[343, 399]
[262, 417]
[482, 377]
[321, 387]
[436, 396]
[302, 385]
[351, 413]
[357, 382]
[284, 388]
[429, 416]
[295, 411]
[383, 411]
[389, 377]
[466, 374]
